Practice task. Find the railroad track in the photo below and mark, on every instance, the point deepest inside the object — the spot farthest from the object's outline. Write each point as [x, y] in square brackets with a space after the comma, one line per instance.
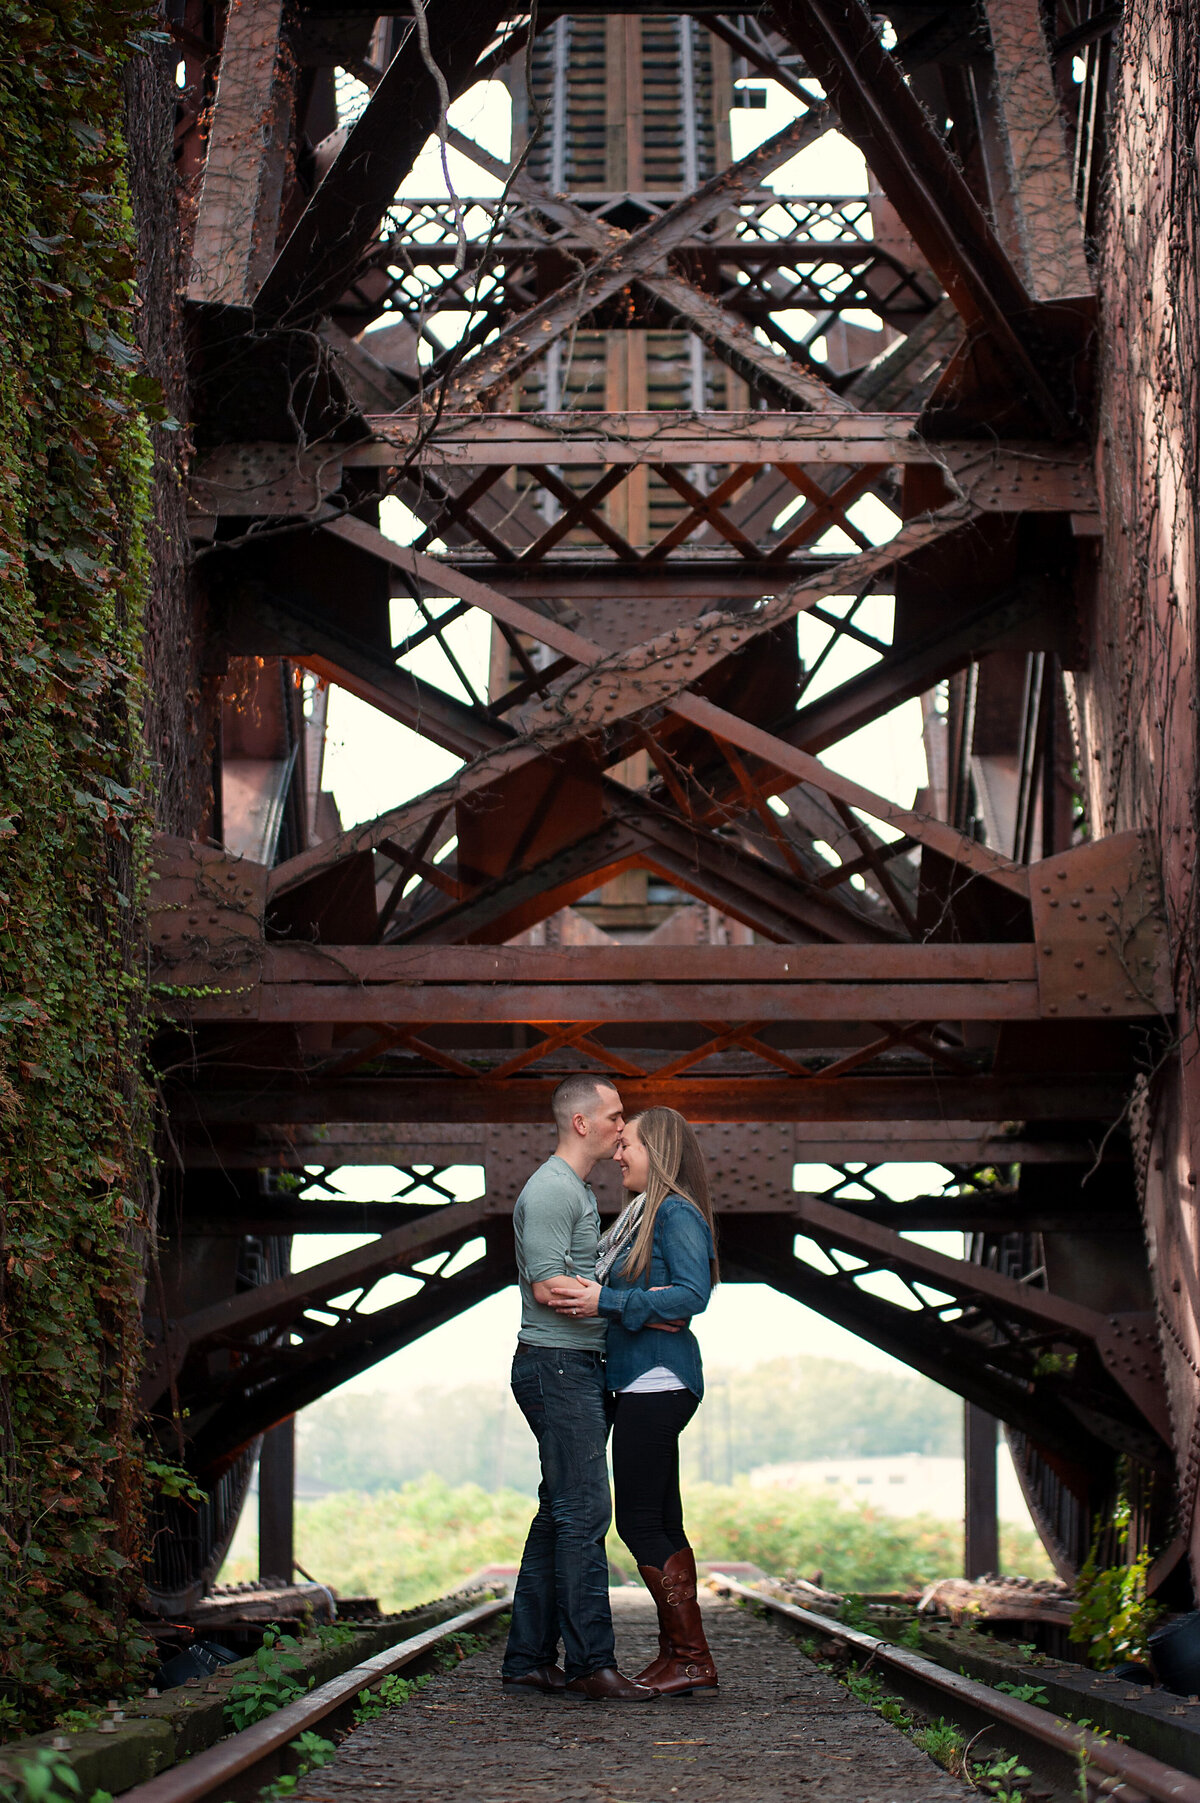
[238, 1767]
[1058, 1752]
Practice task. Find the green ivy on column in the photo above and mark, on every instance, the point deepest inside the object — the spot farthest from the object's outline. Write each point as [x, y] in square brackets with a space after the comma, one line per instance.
[75, 499]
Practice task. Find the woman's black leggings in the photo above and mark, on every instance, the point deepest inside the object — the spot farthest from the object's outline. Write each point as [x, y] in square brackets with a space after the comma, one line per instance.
[645, 1453]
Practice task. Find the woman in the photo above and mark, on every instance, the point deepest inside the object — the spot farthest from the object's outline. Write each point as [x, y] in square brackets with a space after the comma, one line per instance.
[656, 1268]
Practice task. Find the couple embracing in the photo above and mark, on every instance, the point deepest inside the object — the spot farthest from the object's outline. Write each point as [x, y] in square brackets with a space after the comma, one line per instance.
[605, 1342]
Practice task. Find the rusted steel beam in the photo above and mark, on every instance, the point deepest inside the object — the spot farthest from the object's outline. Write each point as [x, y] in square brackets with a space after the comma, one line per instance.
[267, 1146]
[238, 214]
[880, 112]
[1049, 247]
[794, 970]
[1017, 476]
[791, 968]
[1080, 1096]
[327, 242]
[995, 1210]
[230, 894]
[688, 583]
[675, 436]
[603, 1000]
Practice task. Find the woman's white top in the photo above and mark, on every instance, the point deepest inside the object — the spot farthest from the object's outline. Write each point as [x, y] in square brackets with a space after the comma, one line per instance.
[650, 1382]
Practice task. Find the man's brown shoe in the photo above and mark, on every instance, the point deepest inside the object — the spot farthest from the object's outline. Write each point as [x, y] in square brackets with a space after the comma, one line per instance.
[548, 1678]
[608, 1685]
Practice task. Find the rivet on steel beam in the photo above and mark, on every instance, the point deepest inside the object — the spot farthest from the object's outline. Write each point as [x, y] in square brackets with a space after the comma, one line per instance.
[1053, 1009]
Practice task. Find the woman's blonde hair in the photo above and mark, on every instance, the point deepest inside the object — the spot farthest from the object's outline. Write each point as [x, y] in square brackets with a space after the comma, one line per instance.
[676, 1167]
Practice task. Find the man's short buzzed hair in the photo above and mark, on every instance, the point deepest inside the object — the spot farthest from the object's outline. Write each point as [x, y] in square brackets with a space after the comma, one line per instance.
[577, 1095]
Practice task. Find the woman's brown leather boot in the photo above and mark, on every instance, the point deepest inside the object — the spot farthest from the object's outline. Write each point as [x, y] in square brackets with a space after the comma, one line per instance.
[653, 1579]
[684, 1664]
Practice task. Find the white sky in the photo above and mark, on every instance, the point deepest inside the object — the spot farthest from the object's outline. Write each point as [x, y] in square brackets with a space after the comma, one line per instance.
[373, 763]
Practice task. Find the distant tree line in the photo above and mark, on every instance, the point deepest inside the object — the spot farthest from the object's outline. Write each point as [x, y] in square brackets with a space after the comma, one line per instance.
[788, 1409]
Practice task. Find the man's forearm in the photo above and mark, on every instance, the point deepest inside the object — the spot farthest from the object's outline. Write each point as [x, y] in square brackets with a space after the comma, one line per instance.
[546, 1289]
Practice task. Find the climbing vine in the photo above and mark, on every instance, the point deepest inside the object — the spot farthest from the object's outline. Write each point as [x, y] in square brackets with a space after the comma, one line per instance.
[74, 505]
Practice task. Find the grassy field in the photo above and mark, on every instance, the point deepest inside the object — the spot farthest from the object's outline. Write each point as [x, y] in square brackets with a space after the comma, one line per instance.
[404, 1546]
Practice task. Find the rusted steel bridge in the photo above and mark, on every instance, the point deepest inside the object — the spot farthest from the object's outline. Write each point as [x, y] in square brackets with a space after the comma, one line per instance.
[731, 470]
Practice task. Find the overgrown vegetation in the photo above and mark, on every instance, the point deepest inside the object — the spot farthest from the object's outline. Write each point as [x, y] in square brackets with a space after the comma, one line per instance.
[46, 1777]
[999, 1776]
[74, 502]
[272, 1684]
[405, 1546]
[1114, 1616]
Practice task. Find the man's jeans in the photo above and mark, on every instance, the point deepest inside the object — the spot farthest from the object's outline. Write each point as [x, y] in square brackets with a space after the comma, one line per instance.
[562, 1587]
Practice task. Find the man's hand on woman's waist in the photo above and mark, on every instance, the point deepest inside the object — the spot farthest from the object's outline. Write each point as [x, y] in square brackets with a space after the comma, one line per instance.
[577, 1296]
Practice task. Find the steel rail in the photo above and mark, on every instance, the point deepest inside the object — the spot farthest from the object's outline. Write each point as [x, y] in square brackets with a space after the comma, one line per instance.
[1057, 1746]
[208, 1774]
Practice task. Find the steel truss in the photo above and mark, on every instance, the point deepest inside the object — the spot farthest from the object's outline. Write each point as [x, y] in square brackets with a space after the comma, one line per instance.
[675, 594]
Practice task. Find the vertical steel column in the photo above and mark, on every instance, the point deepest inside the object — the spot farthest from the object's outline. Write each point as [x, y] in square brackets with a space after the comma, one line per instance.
[689, 120]
[276, 1504]
[561, 38]
[981, 1528]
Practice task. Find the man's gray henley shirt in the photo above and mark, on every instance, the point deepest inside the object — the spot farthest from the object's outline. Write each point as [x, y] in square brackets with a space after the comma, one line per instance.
[557, 1229]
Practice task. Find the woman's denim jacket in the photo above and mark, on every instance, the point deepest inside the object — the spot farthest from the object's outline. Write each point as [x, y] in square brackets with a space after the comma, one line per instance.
[680, 1260]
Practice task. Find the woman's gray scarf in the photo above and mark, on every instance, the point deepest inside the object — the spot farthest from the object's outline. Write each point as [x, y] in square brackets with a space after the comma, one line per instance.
[618, 1237]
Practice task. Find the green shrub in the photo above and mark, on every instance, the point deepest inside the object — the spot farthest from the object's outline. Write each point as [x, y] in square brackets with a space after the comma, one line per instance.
[271, 1686]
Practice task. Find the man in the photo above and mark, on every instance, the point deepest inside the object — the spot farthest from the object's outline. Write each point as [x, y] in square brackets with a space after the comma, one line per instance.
[558, 1381]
